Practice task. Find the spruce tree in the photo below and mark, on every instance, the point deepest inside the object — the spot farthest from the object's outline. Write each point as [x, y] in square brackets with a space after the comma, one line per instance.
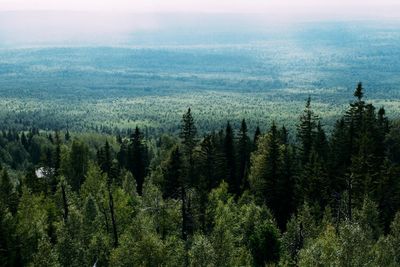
[188, 133]
[339, 156]
[230, 157]
[7, 194]
[354, 118]
[314, 184]
[173, 175]
[272, 169]
[138, 159]
[306, 131]
[257, 134]
[78, 164]
[321, 142]
[244, 148]
[57, 156]
[104, 158]
[67, 136]
[285, 188]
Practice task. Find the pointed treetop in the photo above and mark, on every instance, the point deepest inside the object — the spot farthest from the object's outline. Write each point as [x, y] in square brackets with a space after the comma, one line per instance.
[308, 103]
[257, 133]
[381, 112]
[359, 91]
[273, 128]
[228, 126]
[188, 131]
[243, 126]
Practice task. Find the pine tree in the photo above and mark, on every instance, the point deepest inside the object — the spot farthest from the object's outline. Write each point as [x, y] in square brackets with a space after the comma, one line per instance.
[284, 136]
[173, 174]
[339, 156]
[383, 122]
[188, 136]
[78, 164]
[306, 131]
[273, 169]
[67, 136]
[111, 206]
[244, 147]
[8, 196]
[104, 158]
[57, 156]
[266, 169]
[354, 118]
[230, 157]
[123, 154]
[138, 159]
[314, 184]
[321, 142]
[285, 188]
[257, 134]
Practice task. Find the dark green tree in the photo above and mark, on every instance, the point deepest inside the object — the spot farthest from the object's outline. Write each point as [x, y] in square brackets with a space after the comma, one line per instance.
[264, 244]
[78, 164]
[104, 158]
[244, 148]
[257, 134]
[188, 133]
[306, 131]
[138, 158]
[8, 196]
[230, 157]
[173, 174]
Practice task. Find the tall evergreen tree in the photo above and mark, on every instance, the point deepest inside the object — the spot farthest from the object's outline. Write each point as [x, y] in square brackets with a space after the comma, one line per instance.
[230, 157]
[104, 158]
[8, 196]
[306, 131]
[173, 174]
[266, 168]
[285, 188]
[314, 184]
[210, 162]
[78, 164]
[57, 156]
[354, 118]
[188, 132]
[138, 159]
[257, 134]
[339, 156]
[321, 143]
[244, 148]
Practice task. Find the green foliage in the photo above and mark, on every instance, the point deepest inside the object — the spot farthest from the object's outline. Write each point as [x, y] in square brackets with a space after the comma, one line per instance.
[45, 256]
[350, 247]
[144, 200]
[188, 133]
[202, 252]
[32, 223]
[264, 244]
[77, 167]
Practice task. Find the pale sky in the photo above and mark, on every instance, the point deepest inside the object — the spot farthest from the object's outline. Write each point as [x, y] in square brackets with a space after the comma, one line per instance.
[63, 21]
[212, 6]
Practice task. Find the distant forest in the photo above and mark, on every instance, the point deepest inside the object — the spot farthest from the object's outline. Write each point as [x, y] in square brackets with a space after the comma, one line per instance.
[228, 197]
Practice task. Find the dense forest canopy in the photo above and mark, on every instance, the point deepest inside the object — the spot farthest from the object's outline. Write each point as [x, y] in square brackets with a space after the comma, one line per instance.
[233, 196]
[260, 73]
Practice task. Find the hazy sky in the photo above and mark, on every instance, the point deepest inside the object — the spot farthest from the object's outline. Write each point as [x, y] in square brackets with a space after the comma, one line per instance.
[27, 22]
[196, 5]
